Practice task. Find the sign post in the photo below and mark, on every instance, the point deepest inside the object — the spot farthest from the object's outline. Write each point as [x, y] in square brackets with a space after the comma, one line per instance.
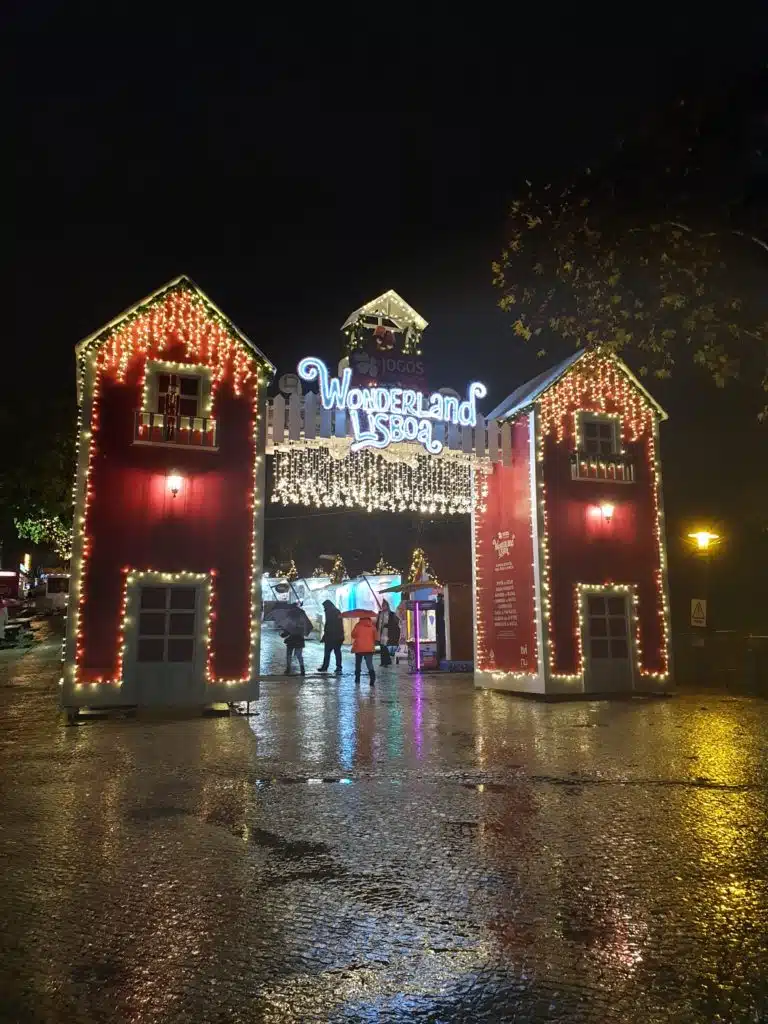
[698, 612]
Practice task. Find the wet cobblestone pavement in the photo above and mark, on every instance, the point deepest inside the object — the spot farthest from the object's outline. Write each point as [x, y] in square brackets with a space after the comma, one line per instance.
[420, 852]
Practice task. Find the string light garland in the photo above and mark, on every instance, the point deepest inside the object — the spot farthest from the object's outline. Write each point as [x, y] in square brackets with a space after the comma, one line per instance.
[377, 321]
[178, 316]
[82, 498]
[255, 504]
[291, 573]
[41, 528]
[129, 612]
[315, 476]
[338, 571]
[597, 383]
[359, 335]
[420, 568]
[582, 591]
[483, 648]
[154, 367]
[383, 568]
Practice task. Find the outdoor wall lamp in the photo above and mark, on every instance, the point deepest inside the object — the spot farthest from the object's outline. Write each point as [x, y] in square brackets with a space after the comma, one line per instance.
[174, 483]
[606, 511]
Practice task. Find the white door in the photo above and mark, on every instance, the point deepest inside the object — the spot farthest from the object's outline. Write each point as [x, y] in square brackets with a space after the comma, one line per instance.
[165, 656]
[607, 649]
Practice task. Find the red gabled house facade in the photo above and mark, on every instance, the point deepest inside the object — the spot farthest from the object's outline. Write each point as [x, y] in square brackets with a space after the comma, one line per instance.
[164, 596]
[569, 540]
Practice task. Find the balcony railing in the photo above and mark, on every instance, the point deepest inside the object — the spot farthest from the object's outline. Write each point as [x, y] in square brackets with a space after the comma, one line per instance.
[616, 469]
[176, 431]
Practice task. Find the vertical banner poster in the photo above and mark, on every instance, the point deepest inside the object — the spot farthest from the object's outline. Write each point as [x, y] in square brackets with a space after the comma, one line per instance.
[504, 565]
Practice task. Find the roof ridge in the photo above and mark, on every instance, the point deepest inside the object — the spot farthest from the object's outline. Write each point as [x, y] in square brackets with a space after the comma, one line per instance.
[183, 282]
[533, 390]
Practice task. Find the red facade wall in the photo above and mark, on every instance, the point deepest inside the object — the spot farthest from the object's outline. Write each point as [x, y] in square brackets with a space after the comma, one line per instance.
[586, 548]
[506, 627]
[134, 521]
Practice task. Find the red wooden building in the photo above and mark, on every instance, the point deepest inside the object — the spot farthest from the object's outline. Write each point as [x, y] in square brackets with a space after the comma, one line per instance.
[569, 542]
[165, 597]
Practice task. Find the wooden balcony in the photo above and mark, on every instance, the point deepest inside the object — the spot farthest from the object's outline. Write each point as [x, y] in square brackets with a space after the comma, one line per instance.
[615, 469]
[174, 432]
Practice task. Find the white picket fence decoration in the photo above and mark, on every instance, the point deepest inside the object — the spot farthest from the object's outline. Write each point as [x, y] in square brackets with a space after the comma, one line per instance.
[303, 419]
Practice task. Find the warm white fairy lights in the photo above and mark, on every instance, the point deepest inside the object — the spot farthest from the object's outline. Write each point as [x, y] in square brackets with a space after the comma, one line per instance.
[582, 592]
[597, 385]
[82, 495]
[314, 476]
[483, 648]
[129, 611]
[360, 325]
[420, 568]
[154, 367]
[383, 568]
[180, 316]
[601, 384]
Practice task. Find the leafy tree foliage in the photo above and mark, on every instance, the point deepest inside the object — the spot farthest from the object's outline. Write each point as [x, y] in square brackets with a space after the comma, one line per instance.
[37, 474]
[656, 254]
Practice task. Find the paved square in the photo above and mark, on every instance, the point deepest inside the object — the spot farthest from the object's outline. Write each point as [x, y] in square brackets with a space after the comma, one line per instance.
[420, 852]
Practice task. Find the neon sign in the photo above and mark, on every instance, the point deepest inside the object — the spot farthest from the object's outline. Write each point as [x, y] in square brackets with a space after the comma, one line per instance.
[384, 416]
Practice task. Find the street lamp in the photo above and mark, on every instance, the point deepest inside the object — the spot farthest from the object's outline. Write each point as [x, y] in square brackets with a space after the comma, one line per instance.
[704, 539]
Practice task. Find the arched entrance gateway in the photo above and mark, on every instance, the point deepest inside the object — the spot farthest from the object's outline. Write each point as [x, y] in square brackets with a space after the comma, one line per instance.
[562, 482]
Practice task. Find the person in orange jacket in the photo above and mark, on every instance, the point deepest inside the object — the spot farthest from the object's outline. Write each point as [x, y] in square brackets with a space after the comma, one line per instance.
[363, 646]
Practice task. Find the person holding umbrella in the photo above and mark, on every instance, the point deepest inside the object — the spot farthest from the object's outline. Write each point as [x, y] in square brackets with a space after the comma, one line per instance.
[363, 646]
[294, 624]
[294, 644]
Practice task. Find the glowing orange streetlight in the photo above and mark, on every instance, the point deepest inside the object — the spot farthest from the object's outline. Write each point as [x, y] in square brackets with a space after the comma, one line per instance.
[704, 539]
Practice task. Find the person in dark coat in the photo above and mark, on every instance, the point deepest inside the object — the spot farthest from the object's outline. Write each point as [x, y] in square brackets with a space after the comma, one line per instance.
[333, 636]
[294, 644]
[393, 629]
[388, 628]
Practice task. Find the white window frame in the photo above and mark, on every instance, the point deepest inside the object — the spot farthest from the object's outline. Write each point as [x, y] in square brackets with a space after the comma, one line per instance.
[178, 678]
[599, 417]
[156, 368]
[629, 593]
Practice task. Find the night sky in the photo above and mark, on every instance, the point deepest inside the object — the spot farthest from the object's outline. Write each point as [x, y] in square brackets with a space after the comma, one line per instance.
[297, 165]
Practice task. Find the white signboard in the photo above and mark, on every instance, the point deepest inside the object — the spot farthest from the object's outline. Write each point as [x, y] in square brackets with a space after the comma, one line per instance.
[698, 611]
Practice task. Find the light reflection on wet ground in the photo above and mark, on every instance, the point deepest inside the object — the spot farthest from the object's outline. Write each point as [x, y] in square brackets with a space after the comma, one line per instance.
[420, 852]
